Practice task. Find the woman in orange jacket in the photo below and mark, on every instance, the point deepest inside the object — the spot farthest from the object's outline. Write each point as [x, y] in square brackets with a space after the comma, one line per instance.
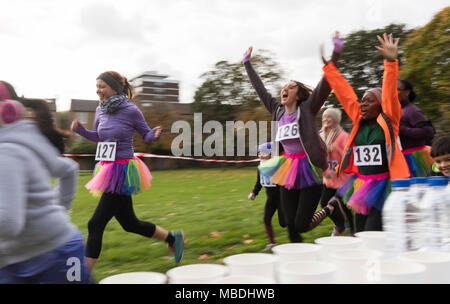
[372, 152]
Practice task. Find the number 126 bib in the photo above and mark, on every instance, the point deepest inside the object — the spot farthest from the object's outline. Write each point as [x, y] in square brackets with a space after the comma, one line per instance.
[287, 132]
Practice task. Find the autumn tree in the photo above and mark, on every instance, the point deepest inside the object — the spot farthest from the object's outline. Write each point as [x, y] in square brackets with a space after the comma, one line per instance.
[427, 67]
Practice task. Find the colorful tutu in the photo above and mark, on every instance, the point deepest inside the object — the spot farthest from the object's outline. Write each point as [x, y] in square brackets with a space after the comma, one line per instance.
[122, 176]
[419, 160]
[362, 192]
[291, 170]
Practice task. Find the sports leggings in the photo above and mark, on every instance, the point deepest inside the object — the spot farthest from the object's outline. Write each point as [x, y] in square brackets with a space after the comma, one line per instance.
[299, 207]
[272, 205]
[121, 207]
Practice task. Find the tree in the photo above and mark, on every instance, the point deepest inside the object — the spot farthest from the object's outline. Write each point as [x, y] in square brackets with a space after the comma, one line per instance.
[427, 67]
[226, 89]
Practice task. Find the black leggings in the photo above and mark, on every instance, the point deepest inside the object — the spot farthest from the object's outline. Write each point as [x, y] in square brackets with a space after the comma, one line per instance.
[272, 205]
[370, 222]
[299, 207]
[121, 207]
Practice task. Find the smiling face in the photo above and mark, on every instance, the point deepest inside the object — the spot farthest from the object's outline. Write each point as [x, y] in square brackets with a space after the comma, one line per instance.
[289, 93]
[328, 122]
[370, 107]
[104, 91]
[443, 164]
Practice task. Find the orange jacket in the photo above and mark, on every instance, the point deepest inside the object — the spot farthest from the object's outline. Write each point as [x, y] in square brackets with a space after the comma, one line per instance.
[389, 118]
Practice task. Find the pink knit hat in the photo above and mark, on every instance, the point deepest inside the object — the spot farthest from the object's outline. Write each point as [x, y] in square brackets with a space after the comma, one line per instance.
[10, 110]
[375, 92]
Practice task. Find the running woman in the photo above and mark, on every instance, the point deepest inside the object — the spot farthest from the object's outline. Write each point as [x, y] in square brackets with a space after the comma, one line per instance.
[296, 171]
[120, 174]
[372, 152]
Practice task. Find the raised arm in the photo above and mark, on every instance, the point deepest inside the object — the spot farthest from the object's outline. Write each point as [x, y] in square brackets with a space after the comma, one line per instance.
[321, 92]
[390, 104]
[266, 98]
[343, 91]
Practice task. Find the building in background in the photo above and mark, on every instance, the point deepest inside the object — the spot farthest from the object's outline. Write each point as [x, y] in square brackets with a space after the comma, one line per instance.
[151, 86]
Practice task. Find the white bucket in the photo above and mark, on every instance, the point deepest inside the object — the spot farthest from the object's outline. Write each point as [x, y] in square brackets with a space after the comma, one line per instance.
[351, 262]
[136, 278]
[307, 272]
[330, 244]
[395, 271]
[196, 273]
[259, 264]
[437, 265]
[293, 252]
[373, 239]
[244, 279]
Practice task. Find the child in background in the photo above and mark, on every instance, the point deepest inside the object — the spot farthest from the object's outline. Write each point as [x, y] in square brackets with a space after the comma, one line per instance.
[440, 152]
[272, 193]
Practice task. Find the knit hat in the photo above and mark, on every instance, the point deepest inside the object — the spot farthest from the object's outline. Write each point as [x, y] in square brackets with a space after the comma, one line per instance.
[10, 111]
[334, 113]
[375, 92]
[265, 148]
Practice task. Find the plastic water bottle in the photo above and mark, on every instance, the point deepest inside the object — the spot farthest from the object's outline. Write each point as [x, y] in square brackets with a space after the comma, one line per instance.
[447, 216]
[414, 212]
[394, 218]
[435, 209]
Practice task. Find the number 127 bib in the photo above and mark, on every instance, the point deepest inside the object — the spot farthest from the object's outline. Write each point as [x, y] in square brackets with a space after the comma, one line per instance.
[106, 151]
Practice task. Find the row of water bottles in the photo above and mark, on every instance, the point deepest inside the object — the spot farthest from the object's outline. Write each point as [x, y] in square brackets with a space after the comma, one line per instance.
[416, 215]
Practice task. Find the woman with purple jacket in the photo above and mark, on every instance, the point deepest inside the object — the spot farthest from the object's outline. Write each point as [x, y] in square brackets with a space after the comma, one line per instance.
[119, 174]
[416, 132]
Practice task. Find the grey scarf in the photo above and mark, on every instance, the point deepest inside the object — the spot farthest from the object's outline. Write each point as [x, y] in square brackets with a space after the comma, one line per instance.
[111, 104]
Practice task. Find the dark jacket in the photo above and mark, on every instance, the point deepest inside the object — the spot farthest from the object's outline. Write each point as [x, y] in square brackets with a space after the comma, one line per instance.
[415, 129]
[306, 113]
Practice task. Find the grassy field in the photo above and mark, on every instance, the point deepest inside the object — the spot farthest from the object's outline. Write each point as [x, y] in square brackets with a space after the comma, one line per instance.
[210, 205]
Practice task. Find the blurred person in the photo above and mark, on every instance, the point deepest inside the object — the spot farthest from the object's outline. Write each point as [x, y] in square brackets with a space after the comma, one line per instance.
[38, 243]
[296, 171]
[272, 194]
[335, 138]
[372, 152]
[416, 132]
[116, 179]
[440, 152]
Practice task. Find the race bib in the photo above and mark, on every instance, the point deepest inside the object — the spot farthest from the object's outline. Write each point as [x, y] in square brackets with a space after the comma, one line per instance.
[367, 155]
[332, 165]
[288, 131]
[266, 182]
[106, 151]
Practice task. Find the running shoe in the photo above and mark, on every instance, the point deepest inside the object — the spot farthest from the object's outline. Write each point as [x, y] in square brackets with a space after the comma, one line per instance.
[178, 245]
[340, 216]
[270, 246]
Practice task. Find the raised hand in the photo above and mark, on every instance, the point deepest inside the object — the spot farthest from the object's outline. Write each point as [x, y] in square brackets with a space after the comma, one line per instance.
[389, 46]
[247, 55]
[338, 43]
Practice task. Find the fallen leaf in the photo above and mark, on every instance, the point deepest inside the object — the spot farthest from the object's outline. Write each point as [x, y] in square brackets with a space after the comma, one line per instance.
[246, 236]
[203, 257]
[215, 234]
[246, 242]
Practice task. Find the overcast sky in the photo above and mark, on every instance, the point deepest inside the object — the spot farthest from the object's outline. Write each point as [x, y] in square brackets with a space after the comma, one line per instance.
[56, 49]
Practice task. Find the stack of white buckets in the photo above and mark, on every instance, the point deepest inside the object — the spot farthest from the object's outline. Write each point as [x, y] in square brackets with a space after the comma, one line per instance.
[343, 260]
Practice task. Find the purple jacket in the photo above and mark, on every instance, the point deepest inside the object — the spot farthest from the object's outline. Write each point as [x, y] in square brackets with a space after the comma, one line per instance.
[415, 129]
[119, 127]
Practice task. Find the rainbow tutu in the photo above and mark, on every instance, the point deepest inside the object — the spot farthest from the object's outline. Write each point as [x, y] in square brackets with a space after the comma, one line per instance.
[419, 160]
[362, 192]
[291, 170]
[122, 176]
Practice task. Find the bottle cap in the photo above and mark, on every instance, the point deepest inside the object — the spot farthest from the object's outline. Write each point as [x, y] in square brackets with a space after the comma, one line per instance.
[437, 181]
[400, 183]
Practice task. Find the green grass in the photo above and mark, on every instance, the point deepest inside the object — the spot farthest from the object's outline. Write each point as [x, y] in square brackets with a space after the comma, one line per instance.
[210, 205]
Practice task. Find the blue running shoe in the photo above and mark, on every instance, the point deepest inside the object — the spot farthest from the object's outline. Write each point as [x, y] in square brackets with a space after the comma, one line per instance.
[178, 245]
